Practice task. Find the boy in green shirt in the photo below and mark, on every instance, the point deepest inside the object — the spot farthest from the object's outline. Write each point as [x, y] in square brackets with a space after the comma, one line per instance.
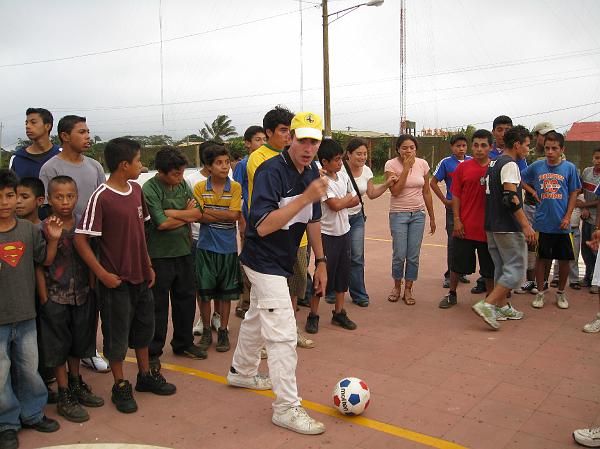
[172, 208]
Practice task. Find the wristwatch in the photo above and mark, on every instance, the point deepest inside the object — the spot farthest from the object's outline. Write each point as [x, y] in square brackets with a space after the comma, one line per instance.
[320, 259]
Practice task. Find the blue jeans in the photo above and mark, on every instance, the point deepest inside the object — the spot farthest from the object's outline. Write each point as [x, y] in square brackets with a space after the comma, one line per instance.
[407, 234]
[22, 390]
[358, 291]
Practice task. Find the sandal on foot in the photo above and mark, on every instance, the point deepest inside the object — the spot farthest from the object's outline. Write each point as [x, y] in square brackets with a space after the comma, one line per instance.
[408, 299]
[394, 295]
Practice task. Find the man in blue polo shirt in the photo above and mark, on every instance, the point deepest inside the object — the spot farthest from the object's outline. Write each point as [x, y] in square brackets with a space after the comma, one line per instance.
[557, 185]
[286, 197]
[444, 172]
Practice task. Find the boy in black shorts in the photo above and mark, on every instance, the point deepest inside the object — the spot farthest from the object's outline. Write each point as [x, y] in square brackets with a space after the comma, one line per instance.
[115, 216]
[68, 309]
[468, 204]
[557, 185]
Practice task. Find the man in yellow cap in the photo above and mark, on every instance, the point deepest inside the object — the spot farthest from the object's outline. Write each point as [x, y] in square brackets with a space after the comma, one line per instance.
[285, 203]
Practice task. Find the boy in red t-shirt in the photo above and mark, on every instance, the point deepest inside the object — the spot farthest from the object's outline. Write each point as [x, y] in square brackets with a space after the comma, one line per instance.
[115, 216]
[468, 204]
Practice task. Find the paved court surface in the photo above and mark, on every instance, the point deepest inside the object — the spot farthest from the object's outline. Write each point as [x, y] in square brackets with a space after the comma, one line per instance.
[439, 378]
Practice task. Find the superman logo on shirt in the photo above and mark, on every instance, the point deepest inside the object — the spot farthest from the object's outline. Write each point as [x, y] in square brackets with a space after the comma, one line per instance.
[11, 252]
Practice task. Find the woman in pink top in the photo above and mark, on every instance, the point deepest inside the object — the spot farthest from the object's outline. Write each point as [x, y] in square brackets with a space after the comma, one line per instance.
[410, 197]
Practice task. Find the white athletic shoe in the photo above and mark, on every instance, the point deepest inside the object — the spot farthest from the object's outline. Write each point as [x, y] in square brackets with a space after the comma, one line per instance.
[297, 420]
[508, 312]
[527, 287]
[538, 302]
[198, 327]
[561, 300]
[302, 341]
[258, 382]
[593, 326]
[215, 321]
[96, 363]
[588, 437]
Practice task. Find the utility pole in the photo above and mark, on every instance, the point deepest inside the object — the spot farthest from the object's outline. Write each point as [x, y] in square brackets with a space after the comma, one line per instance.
[326, 99]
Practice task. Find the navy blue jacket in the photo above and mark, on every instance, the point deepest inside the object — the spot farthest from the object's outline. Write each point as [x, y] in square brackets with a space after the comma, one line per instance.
[25, 164]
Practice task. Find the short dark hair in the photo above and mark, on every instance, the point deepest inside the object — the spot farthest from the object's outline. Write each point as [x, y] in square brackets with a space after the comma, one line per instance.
[34, 184]
[67, 123]
[456, 137]
[8, 179]
[204, 146]
[516, 134]
[502, 120]
[329, 149]
[252, 131]
[213, 152]
[555, 137]
[403, 138]
[596, 150]
[45, 114]
[120, 150]
[355, 143]
[279, 115]
[61, 179]
[483, 134]
[169, 158]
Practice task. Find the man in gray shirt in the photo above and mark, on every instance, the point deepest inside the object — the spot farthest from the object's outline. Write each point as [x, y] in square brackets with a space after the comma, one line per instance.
[87, 172]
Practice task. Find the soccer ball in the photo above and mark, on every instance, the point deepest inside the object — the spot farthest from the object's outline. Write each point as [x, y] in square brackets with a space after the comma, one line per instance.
[351, 396]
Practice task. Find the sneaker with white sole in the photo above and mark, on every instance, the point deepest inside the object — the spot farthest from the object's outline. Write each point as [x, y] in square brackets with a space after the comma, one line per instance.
[594, 289]
[538, 302]
[508, 312]
[587, 437]
[561, 300]
[96, 363]
[302, 341]
[297, 420]
[258, 382]
[487, 313]
[527, 287]
[593, 326]
[198, 327]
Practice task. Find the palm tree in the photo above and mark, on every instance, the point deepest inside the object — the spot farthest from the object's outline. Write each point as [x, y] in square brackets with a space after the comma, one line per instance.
[219, 129]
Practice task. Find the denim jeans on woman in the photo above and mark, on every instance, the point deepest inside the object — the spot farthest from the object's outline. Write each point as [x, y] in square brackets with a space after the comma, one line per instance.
[358, 291]
[407, 234]
[23, 394]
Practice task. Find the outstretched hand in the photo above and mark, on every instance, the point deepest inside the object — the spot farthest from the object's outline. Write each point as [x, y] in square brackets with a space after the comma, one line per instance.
[54, 228]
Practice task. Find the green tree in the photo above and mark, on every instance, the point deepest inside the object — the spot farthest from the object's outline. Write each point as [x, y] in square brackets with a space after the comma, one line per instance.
[236, 147]
[379, 154]
[23, 142]
[219, 130]
[160, 140]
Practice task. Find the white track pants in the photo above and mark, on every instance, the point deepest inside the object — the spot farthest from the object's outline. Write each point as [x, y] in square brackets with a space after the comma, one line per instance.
[270, 322]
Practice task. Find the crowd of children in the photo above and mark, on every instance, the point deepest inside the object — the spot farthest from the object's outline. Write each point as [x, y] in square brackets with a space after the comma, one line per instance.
[76, 247]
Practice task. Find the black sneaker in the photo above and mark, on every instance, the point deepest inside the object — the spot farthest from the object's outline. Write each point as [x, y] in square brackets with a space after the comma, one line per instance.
[52, 395]
[222, 340]
[155, 363]
[448, 301]
[83, 393]
[122, 397]
[154, 382]
[341, 319]
[8, 439]
[463, 280]
[45, 425]
[312, 323]
[239, 312]
[69, 408]
[446, 283]
[191, 352]
[206, 339]
[479, 288]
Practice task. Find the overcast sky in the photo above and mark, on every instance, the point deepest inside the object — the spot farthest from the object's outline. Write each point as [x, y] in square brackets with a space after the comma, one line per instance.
[468, 61]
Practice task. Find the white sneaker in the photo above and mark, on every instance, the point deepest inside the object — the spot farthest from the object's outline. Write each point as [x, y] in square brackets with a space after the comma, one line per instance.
[258, 382]
[594, 289]
[508, 312]
[588, 437]
[594, 326]
[296, 419]
[96, 363]
[302, 341]
[198, 327]
[561, 300]
[538, 302]
[215, 321]
[527, 287]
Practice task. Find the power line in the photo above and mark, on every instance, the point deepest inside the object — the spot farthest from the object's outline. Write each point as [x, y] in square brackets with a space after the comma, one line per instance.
[147, 44]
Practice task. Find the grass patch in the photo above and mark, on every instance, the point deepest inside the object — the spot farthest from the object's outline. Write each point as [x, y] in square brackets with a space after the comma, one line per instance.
[378, 178]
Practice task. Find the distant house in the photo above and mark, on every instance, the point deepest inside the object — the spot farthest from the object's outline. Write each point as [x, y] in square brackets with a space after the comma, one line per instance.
[581, 140]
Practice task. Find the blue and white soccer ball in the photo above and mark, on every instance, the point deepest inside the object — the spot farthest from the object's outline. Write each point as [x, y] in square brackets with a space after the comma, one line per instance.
[351, 396]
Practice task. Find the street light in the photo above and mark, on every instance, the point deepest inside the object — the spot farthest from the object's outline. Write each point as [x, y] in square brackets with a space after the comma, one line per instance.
[326, 87]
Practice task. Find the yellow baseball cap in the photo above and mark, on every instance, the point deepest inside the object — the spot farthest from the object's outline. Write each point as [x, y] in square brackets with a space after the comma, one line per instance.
[307, 125]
